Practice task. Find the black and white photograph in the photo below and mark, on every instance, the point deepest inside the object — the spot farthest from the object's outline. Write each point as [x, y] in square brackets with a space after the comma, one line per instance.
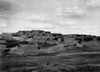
[49, 35]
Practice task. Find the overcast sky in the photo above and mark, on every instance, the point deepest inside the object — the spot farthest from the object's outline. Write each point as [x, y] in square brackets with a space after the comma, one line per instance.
[61, 16]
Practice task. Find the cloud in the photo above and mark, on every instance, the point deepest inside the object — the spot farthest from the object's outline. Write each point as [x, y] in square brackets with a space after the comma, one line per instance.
[57, 16]
[28, 21]
[71, 12]
[8, 9]
[92, 5]
[2, 23]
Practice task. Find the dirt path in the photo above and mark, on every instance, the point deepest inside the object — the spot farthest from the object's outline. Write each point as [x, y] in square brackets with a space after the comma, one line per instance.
[78, 53]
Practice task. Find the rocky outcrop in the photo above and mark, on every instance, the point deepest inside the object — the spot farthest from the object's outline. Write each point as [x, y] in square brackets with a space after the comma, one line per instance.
[43, 39]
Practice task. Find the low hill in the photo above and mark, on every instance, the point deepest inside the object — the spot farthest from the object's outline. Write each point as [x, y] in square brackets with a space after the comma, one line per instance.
[43, 51]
